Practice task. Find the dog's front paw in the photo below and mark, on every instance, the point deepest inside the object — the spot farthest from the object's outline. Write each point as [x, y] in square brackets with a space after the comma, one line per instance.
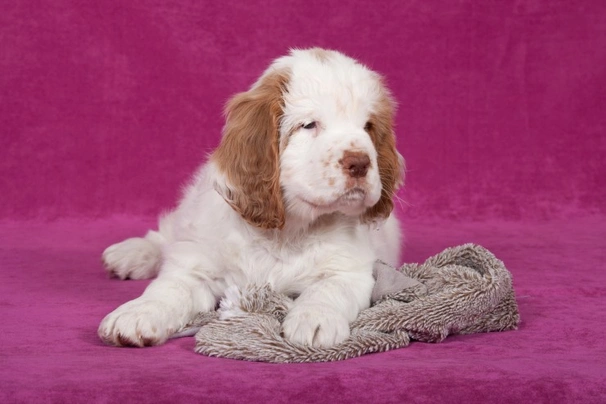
[138, 323]
[133, 258]
[315, 326]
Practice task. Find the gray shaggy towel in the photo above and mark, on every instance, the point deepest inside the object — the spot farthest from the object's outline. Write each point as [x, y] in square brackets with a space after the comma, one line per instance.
[462, 290]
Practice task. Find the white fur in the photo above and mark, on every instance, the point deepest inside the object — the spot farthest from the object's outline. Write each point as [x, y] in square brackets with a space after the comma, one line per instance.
[324, 254]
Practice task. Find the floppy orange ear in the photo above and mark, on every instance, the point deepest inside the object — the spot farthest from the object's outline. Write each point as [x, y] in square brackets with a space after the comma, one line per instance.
[248, 153]
[390, 162]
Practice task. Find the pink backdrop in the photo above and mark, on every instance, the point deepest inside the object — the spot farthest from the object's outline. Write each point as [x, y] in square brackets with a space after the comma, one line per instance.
[107, 107]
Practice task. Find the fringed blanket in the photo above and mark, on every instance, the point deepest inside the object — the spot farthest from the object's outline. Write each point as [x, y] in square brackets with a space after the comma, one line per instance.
[462, 290]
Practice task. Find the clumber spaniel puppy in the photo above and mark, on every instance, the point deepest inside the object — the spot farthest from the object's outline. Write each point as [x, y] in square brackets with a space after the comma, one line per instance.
[298, 195]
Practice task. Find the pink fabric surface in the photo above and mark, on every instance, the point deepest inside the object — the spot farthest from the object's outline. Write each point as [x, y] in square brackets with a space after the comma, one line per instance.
[53, 294]
[107, 107]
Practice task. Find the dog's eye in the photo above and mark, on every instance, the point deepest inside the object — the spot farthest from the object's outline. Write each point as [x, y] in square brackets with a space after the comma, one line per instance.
[311, 125]
[368, 126]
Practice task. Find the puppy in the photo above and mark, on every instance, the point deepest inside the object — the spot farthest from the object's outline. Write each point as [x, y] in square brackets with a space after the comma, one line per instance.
[298, 194]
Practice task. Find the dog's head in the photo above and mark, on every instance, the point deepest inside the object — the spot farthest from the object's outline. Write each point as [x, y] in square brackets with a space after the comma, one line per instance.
[314, 135]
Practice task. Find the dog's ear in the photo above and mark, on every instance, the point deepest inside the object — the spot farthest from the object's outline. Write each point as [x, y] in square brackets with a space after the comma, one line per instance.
[248, 154]
[391, 163]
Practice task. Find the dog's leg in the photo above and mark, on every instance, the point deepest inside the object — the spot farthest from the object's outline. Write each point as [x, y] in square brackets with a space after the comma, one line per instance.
[135, 258]
[168, 303]
[140, 257]
[321, 315]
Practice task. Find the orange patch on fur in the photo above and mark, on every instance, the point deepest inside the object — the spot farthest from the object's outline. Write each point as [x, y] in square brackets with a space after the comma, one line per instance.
[321, 54]
[249, 152]
[381, 132]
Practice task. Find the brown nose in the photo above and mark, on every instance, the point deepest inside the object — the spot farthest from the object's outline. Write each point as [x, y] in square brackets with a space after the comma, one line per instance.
[355, 164]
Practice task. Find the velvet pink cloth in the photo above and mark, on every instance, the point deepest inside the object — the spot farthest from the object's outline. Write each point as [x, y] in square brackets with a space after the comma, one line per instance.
[107, 107]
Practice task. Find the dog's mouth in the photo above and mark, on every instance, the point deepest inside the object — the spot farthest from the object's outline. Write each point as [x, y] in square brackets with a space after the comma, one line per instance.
[351, 198]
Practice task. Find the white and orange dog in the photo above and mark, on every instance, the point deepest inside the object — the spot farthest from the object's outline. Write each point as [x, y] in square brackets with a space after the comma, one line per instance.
[299, 195]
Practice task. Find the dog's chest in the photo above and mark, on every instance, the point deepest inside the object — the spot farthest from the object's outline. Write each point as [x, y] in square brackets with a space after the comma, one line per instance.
[288, 265]
[283, 265]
